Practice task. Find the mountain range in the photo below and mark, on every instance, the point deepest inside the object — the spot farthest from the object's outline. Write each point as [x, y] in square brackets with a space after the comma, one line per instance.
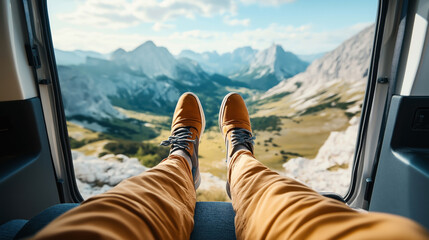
[149, 78]
[226, 64]
[257, 69]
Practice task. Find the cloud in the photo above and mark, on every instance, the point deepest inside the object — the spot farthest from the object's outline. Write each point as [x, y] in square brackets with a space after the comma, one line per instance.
[267, 2]
[162, 26]
[236, 22]
[102, 14]
[122, 13]
[298, 39]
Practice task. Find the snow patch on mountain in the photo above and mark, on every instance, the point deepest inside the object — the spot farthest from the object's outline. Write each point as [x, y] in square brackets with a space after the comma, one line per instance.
[330, 171]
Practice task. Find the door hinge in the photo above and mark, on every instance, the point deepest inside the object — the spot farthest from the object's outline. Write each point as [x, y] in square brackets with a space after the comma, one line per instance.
[383, 80]
[44, 81]
[60, 186]
[368, 189]
[33, 55]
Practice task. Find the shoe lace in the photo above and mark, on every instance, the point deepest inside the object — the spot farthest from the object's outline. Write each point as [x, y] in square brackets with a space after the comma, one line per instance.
[179, 139]
[242, 136]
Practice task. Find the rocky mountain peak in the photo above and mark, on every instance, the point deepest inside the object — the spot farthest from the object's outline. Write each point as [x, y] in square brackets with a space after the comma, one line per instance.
[267, 57]
[244, 53]
[348, 63]
[275, 60]
[117, 53]
[148, 59]
[276, 48]
[146, 46]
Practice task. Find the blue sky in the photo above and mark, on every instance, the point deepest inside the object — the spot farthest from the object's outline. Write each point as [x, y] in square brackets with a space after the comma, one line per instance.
[300, 26]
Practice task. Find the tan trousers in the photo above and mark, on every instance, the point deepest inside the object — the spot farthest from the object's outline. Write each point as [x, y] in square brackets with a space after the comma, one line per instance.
[160, 203]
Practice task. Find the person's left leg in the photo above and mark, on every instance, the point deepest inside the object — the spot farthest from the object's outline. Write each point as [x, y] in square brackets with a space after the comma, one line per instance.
[157, 204]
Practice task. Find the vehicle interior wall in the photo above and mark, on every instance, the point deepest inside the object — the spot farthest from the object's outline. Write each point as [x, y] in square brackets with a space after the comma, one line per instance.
[27, 177]
[16, 82]
[275, 138]
[402, 174]
[388, 15]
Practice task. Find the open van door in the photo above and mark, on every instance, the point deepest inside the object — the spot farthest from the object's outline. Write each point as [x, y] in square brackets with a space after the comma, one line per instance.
[34, 169]
[391, 171]
[392, 162]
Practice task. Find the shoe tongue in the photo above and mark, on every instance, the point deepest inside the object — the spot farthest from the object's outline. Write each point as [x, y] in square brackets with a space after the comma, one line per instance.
[193, 136]
[187, 123]
[228, 128]
[232, 148]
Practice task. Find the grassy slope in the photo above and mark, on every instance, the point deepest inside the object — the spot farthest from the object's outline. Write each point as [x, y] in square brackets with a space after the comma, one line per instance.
[302, 136]
[79, 133]
[301, 133]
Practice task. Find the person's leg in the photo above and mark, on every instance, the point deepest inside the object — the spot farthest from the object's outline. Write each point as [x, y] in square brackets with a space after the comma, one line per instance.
[270, 206]
[157, 204]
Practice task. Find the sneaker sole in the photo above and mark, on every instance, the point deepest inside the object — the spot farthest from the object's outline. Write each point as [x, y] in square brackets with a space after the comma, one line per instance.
[203, 126]
[222, 108]
[221, 111]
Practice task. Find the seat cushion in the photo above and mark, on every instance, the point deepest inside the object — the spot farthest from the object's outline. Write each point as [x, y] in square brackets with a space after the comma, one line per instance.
[213, 220]
[10, 229]
[42, 219]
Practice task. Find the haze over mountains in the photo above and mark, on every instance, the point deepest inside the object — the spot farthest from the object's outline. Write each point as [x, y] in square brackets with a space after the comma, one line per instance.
[258, 69]
[225, 64]
[76, 57]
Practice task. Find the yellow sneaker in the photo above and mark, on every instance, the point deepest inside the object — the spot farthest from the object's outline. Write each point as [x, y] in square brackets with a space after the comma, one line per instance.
[234, 124]
[187, 128]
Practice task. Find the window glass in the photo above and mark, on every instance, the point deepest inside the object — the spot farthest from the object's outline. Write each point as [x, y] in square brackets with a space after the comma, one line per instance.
[301, 67]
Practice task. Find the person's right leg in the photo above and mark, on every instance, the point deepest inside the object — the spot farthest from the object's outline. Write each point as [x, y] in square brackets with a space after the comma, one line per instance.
[156, 204]
[270, 206]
